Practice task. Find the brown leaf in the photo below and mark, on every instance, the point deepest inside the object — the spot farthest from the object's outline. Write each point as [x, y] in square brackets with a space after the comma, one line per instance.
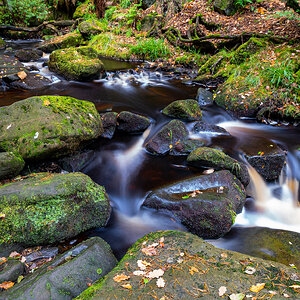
[6, 285]
[121, 277]
[22, 75]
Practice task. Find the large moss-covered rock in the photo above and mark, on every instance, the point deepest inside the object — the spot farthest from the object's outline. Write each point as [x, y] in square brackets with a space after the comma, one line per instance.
[67, 275]
[165, 139]
[82, 63]
[190, 269]
[206, 205]
[72, 39]
[213, 158]
[187, 110]
[225, 7]
[11, 164]
[48, 125]
[44, 208]
[89, 28]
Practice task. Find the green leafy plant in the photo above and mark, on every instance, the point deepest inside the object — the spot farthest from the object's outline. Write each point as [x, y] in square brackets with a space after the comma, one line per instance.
[242, 3]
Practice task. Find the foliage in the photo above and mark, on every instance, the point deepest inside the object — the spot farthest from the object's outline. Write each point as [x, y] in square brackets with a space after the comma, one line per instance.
[150, 49]
[125, 3]
[288, 14]
[242, 3]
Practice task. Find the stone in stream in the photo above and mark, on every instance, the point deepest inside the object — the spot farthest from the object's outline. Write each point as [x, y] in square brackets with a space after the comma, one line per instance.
[76, 162]
[186, 147]
[109, 122]
[11, 164]
[183, 266]
[30, 82]
[72, 39]
[67, 275]
[213, 158]
[264, 156]
[44, 208]
[26, 55]
[132, 123]
[11, 270]
[202, 127]
[44, 126]
[204, 97]
[81, 64]
[206, 204]
[10, 67]
[167, 137]
[187, 110]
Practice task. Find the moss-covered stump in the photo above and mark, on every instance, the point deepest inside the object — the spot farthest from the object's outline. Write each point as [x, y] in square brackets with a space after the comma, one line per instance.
[264, 156]
[67, 275]
[132, 123]
[11, 164]
[206, 205]
[213, 158]
[187, 110]
[273, 244]
[188, 268]
[81, 64]
[90, 28]
[167, 137]
[39, 127]
[44, 208]
[72, 39]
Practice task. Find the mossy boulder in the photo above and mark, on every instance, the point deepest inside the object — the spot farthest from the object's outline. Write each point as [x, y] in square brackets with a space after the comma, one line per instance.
[186, 147]
[72, 39]
[206, 205]
[167, 137]
[187, 110]
[32, 81]
[132, 123]
[192, 268]
[85, 9]
[109, 122]
[11, 270]
[67, 275]
[11, 164]
[225, 7]
[90, 28]
[81, 64]
[53, 126]
[44, 208]
[213, 158]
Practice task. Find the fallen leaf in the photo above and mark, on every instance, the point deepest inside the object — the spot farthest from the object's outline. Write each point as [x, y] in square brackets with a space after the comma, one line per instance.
[142, 264]
[258, 287]
[46, 102]
[149, 251]
[20, 278]
[295, 286]
[155, 273]
[22, 75]
[6, 285]
[240, 296]
[286, 295]
[222, 290]
[127, 286]
[224, 255]
[192, 270]
[121, 277]
[3, 260]
[160, 282]
[250, 270]
[89, 284]
[139, 273]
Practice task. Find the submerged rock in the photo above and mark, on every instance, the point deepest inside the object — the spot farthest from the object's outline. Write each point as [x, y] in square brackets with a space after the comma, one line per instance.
[213, 158]
[206, 205]
[204, 97]
[11, 164]
[67, 275]
[109, 122]
[132, 123]
[26, 55]
[82, 63]
[68, 40]
[44, 208]
[54, 126]
[187, 268]
[165, 139]
[187, 110]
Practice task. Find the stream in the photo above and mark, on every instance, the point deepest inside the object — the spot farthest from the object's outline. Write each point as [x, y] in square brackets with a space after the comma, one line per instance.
[129, 173]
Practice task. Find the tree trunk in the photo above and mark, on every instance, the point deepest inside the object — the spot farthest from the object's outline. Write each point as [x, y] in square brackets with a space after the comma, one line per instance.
[100, 8]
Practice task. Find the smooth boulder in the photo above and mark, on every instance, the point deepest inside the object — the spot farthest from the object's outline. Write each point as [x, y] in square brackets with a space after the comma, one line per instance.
[43, 126]
[204, 97]
[132, 123]
[81, 64]
[67, 275]
[183, 266]
[187, 110]
[11, 164]
[206, 204]
[109, 122]
[44, 208]
[10, 270]
[213, 158]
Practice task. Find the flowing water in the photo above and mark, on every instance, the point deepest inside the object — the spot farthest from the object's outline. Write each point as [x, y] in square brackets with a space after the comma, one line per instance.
[129, 173]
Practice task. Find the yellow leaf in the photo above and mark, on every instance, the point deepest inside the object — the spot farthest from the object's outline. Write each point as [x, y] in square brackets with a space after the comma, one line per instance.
[121, 277]
[46, 102]
[193, 269]
[127, 286]
[257, 288]
[6, 285]
[295, 286]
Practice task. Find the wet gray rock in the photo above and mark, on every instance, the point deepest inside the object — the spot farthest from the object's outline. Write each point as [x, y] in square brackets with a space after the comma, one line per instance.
[76, 162]
[10, 67]
[206, 205]
[42, 253]
[67, 275]
[31, 82]
[109, 122]
[167, 137]
[26, 55]
[204, 97]
[11, 270]
[201, 127]
[11, 164]
[132, 123]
